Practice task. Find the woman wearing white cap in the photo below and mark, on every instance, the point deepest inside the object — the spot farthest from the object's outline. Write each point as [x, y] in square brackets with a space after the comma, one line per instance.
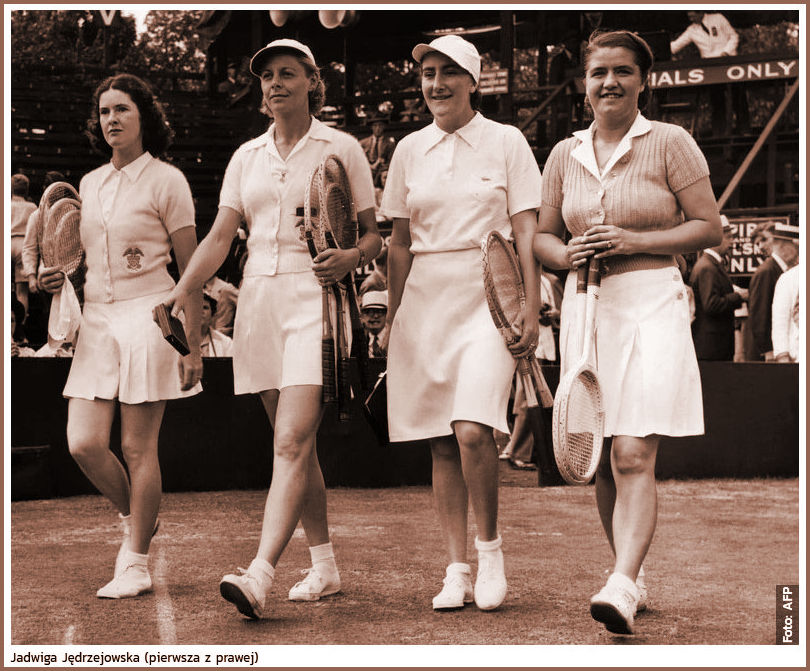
[277, 331]
[633, 194]
[449, 371]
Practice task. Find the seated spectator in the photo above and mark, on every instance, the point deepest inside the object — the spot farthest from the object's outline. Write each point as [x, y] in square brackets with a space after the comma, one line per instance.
[228, 86]
[212, 343]
[373, 310]
[19, 347]
[377, 279]
[21, 209]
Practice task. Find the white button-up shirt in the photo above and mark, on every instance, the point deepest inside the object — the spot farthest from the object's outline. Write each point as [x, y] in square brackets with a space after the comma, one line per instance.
[456, 187]
[266, 190]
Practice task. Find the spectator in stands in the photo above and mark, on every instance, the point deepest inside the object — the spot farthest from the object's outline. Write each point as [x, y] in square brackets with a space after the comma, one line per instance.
[377, 279]
[374, 308]
[715, 302]
[278, 328]
[378, 148]
[21, 209]
[449, 370]
[520, 449]
[19, 346]
[212, 342]
[785, 320]
[633, 194]
[784, 254]
[714, 37]
[710, 32]
[225, 296]
[135, 201]
[228, 86]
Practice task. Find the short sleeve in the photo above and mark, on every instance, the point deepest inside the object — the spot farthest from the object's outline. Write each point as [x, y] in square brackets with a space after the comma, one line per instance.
[176, 205]
[230, 195]
[394, 200]
[686, 164]
[524, 182]
[359, 175]
[553, 177]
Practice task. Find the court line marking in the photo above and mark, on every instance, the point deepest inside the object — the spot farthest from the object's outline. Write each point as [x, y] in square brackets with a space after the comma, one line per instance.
[68, 639]
[163, 601]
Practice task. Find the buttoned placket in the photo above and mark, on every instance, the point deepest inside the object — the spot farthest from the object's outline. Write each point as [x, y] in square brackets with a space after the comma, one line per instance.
[106, 219]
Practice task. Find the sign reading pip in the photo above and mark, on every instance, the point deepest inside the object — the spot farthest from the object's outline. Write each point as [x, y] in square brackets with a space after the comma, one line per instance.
[744, 255]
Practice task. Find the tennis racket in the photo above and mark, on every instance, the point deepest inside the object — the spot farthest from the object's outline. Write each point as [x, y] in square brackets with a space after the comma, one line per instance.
[316, 243]
[58, 235]
[578, 418]
[503, 285]
[60, 246]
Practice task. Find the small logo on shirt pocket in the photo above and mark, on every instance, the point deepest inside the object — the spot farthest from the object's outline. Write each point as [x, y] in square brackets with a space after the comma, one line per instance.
[133, 256]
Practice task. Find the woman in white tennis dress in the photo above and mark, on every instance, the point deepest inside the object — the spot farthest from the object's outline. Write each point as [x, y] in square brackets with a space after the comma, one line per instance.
[277, 332]
[449, 370]
[633, 194]
[135, 209]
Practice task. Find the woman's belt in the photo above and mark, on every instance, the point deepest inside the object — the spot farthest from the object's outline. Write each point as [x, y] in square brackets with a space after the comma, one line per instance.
[624, 263]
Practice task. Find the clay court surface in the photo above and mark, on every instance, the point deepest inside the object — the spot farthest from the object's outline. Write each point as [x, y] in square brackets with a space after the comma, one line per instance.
[721, 548]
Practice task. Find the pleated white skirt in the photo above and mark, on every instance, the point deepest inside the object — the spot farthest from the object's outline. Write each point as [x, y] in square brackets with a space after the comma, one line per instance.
[121, 353]
[446, 360]
[277, 333]
[645, 354]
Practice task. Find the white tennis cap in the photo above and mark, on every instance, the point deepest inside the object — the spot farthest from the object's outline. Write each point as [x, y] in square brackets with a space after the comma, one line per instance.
[375, 299]
[456, 49]
[785, 231]
[284, 44]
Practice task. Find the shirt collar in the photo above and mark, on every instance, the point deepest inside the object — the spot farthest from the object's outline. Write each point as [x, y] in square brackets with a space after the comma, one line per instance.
[780, 261]
[584, 152]
[471, 133]
[133, 169]
[317, 131]
[714, 255]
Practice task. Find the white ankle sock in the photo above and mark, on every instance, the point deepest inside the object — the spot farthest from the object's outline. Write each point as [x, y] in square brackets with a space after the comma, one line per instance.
[488, 546]
[262, 568]
[323, 557]
[459, 567]
[135, 559]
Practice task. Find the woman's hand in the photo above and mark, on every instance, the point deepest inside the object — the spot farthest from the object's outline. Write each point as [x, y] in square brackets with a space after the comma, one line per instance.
[175, 301]
[527, 325]
[610, 241]
[332, 265]
[577, 251]
[190, 368]
[15, 348]
[51, 279]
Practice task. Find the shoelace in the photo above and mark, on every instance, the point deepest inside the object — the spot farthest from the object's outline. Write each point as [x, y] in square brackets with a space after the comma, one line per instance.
[455, 580]
[312, 578]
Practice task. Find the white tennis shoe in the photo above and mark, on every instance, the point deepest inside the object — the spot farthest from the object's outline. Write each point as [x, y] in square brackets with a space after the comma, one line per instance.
[457, 589]
[314, 586]
[133, 581]
[248, 591]
[490, 582]
[126, 530]
[641, 605]
[615, 604]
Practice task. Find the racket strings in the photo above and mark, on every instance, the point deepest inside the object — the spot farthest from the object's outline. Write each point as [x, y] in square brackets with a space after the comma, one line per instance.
[61, 245]
[583, 423]
[503, 282]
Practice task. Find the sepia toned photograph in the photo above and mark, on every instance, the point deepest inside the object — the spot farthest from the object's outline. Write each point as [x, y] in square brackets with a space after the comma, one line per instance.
[404, 335]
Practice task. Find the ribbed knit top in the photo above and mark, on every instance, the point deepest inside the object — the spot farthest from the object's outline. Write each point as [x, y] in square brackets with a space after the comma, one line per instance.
[636, 190]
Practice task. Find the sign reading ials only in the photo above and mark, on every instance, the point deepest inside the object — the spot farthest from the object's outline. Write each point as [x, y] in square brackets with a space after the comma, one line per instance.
[724, 73]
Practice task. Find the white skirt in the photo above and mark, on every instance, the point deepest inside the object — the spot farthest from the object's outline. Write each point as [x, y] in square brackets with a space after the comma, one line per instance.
[121, 353]
[446, 360]
[645, 354]
[277, 332]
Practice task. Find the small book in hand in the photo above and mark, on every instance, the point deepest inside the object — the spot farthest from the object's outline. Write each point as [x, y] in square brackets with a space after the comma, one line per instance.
[172, 329]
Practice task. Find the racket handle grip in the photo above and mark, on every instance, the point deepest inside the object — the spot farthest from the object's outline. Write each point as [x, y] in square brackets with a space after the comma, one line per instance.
[524, 368]
[328, 370]
[582, 277]
[344, 394]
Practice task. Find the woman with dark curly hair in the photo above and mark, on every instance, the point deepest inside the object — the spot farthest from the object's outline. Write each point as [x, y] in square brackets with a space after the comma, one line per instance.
[277, 332]
[135, 209]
